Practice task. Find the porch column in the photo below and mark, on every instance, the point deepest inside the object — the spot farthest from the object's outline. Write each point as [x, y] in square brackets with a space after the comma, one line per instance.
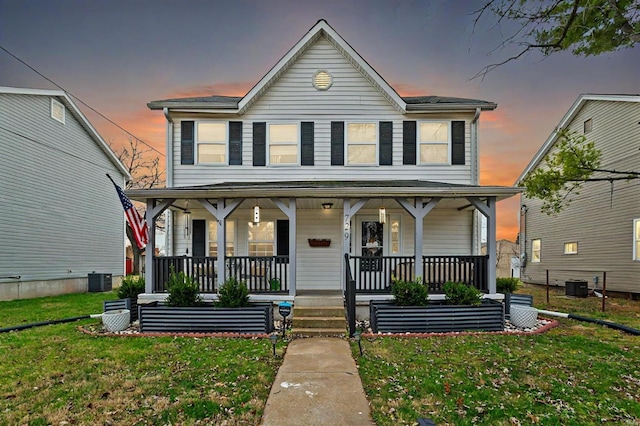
[291, 212]
[349, 211]
[153, 211]
[221, 210]
[489, 211]
[418, 211]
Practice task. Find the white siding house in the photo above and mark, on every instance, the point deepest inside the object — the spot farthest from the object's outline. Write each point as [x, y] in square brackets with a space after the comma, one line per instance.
[599, 230]
[61, 217]
[318, 149]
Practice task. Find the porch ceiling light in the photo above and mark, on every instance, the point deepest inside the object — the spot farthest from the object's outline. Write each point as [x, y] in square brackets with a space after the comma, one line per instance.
[327, 206]
[256, 214]
[382, 215]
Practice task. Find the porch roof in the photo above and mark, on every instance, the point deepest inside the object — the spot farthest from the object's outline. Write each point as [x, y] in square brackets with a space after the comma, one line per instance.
[321, 189]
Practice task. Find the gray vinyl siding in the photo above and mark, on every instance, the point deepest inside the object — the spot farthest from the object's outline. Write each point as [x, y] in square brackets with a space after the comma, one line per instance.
[599, 220]
[293, 99]
[60, 216]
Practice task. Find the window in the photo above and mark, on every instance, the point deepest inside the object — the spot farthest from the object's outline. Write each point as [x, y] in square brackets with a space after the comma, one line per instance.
[283, 144]
[57, 111]
[361, 143]
[588, 126]
[433, 142]
[636, 239]
[571, 248]
[212, 142]
[261, 238]
[230, 239]
[535, 250]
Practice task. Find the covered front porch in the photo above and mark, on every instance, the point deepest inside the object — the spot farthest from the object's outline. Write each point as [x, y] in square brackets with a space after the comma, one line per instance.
[310, 233]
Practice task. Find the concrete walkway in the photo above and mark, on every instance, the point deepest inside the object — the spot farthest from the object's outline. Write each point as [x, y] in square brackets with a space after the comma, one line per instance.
[317, 384]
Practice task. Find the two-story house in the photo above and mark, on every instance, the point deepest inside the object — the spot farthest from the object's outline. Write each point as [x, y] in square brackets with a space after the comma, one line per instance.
[322, 172]
[596, 237]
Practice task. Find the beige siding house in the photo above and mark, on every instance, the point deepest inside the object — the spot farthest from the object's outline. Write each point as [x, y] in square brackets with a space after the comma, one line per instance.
[599, 231]
[319, 173]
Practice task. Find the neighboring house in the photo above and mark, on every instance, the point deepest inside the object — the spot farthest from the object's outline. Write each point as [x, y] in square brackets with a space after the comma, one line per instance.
[507, 255]
[61, 216]
[322, 171]
[599, 231]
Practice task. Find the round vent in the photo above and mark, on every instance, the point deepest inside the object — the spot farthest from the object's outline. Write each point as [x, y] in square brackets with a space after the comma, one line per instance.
[322, 80]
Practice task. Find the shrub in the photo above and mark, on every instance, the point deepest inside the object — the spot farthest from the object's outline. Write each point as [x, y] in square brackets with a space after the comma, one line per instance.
[233, 294]
[410, 293]
[507, 285]
[131, 287]
[461, 294]
[183, 290]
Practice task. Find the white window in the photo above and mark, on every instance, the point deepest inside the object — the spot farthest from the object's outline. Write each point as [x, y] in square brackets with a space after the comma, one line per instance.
[535, 250]
[211, 138]
[57, 111]
[434, 138]
[588, 126]
[361, 143]
[571, 248]
[261, 238]
[230, 238]
[283, 144]
[636, 239]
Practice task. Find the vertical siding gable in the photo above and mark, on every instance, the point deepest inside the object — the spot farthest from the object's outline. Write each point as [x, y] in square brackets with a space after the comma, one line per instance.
[386, 143]
[235, 143]
[260, 144]
[409, 142]
[457, 143]
[187, 131]
[307, 143]
[337, 143]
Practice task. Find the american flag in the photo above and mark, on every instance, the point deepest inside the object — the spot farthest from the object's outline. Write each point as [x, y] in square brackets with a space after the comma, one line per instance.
[137, 222]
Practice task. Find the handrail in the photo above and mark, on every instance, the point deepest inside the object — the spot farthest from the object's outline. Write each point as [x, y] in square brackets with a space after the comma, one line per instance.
[350, 296]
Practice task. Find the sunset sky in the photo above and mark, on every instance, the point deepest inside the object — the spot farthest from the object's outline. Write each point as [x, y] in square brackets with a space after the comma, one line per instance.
[118, 55]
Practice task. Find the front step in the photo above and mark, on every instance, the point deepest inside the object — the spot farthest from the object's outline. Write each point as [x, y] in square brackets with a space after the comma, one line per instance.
[319, 314]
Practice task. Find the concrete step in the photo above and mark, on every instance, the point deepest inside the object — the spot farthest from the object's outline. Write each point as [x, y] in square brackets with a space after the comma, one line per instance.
[317, 322]
[311, 332]
[318, 311]
[318, 301]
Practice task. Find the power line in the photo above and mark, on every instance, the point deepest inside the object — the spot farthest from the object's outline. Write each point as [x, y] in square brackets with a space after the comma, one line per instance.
[80, 100]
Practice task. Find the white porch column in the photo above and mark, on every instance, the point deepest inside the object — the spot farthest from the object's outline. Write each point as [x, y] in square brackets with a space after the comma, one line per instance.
[349, 211]
[221, 210]
[418, 211]
[153, 211]
[291, 212]
[489, 211]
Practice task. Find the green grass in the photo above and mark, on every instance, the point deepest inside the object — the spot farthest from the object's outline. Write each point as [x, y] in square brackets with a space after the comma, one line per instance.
[55, 373]
[575, 374]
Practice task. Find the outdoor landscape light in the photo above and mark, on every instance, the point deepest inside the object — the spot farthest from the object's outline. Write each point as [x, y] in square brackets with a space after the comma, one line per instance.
[358, 338]
[274, 339]
[256, 214]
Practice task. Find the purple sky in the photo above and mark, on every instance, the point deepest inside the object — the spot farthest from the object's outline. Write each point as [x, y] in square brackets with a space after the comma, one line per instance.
[118, 55]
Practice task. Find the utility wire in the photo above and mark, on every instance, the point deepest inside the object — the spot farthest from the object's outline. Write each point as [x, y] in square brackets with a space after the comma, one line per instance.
[80, 100]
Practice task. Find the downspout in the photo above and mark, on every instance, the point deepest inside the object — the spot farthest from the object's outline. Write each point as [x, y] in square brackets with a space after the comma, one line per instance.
[477, 218]
[168, 231]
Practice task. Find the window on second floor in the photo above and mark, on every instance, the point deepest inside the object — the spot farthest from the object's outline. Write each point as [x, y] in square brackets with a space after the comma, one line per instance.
[361, 143]
[433, 142]
[211, 139]
[571, 248]
[536, 246]
[588, 125]
[283, 144]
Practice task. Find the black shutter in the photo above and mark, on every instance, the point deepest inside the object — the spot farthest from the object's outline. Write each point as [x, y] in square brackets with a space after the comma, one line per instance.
[235, 143]
[306, 142]
[186, 142]
[199, 240]
[457, 142]
[386, 143]
[282, 237]
[409, 142]
[337, 143]
[259, 144]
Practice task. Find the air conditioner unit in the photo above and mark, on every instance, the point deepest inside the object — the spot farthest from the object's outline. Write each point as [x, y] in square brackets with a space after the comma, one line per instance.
[99, 282]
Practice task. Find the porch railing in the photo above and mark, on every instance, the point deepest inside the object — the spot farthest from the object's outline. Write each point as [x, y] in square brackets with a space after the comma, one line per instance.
[262, 274]
[374, 274]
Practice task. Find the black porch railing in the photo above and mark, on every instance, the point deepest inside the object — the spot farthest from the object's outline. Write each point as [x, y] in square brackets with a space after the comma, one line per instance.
[262, 274]
[375, 274]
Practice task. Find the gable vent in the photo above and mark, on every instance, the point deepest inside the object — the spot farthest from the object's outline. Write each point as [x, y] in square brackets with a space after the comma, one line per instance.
[57, 111]
[322, 80]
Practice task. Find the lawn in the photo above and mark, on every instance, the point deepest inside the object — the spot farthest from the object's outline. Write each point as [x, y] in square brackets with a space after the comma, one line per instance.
[56, 374]
[575, 374]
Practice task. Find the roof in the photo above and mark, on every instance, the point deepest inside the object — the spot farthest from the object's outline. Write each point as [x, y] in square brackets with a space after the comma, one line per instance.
[75, 111]
[321, 189]
[323, 29]
[565, 121]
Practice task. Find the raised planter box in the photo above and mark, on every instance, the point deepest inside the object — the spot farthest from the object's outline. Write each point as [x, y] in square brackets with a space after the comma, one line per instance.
[436, 317]
[253, 319]
[128, 303]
